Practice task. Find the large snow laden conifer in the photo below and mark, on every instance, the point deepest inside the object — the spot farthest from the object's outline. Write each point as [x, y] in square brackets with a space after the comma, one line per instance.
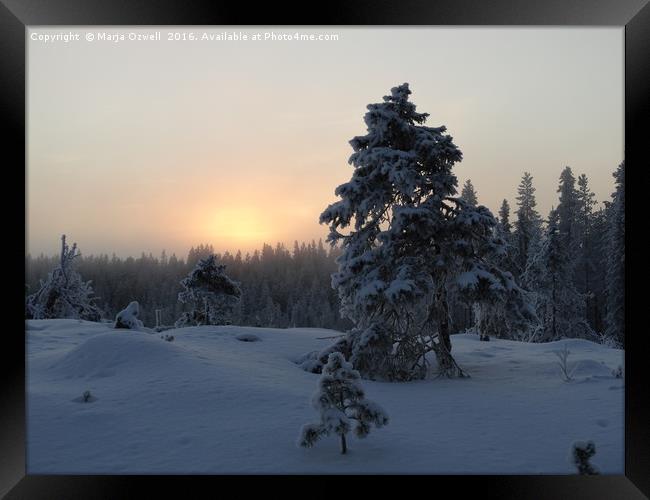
[64, 294]
[411, 242]
[212, 294]
[341, 400]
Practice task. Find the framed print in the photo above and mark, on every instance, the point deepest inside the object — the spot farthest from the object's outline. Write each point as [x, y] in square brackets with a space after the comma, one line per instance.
[387, 240]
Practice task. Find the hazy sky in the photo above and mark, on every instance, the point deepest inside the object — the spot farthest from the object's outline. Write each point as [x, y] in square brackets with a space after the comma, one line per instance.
[148, 145]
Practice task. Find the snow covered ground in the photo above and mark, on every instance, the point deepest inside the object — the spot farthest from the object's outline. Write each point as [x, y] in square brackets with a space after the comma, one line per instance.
[209, 402]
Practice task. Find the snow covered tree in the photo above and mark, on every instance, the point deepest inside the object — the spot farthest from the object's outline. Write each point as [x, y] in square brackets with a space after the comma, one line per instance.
[504, 218]
[560, 308]
[212, 294]
[200, 252]
[615, 317]
[597, 248]
[64, 294]
[585, 263]
[495, 319]
[468, 194]
[128, 317]
[528, 225]
[341, 400]
[506, 260]
[411, 242]
[567, 210]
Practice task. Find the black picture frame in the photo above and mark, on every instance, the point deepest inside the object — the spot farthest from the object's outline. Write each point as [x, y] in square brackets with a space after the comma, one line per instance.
[16, 15]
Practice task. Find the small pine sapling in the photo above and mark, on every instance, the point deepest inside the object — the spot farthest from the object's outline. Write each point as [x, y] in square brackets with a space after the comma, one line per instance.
[580, 454]
[212, 294]
[339, 400]
[86, 396]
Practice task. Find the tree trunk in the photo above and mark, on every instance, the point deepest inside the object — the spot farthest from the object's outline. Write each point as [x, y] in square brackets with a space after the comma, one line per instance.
[553, 312]
[443, 324]
[344, 447]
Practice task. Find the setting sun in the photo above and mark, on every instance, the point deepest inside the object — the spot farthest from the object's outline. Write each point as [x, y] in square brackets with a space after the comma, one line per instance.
[237, 226]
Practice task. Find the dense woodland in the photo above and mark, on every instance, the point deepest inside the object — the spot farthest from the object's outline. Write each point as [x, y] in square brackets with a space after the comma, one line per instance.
[280, 288]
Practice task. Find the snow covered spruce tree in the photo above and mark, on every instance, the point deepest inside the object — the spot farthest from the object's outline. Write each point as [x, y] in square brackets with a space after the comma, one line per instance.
[567, 214]
[468, 194]
[64, 294]
[504, 228]
[213, 295]
[615, 294]
[494, 319]
[411, 242]
[586, 260]
[560, 308]
[528, 225]
[340, 399]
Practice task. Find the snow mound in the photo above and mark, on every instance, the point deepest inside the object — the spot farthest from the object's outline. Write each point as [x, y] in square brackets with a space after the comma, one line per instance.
[105, 354]
[590, 368]
[63, 325]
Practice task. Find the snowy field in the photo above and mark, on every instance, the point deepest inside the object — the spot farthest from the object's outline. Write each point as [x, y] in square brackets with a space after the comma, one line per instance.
[208, 402]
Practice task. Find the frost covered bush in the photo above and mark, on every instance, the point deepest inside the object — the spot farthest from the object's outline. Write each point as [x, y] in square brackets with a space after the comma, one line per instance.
[64, 294]
[341, 402]
[212, 294]
[408, 243]
[128, 317]
[609, 341]
[581, 452]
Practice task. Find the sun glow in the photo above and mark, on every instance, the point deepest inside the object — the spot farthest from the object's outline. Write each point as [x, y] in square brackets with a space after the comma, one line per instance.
[239, 226]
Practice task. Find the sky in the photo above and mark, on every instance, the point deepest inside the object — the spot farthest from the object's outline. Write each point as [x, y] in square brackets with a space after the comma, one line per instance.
[143, 145]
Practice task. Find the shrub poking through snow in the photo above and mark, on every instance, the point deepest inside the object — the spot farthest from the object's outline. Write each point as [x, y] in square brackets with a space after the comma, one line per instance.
[618, 372]
[64, 294]
[86, 396]
[128, 317]
[341, 400]
[212, 294]
[580, 455]
[167, 337]
[563, 356]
